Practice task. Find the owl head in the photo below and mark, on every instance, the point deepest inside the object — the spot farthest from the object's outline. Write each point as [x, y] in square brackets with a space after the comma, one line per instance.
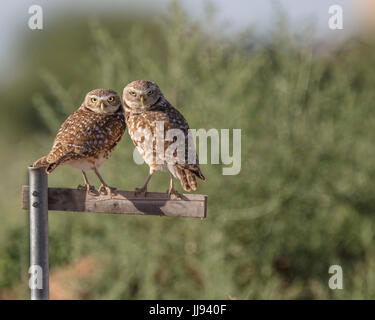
[140, 95]
[102, 101]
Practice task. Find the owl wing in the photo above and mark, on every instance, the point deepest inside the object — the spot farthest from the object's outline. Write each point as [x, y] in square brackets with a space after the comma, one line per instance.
[85, 134]
[186, 163]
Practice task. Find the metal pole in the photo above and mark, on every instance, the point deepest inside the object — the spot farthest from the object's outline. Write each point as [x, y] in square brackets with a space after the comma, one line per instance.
[39, 267]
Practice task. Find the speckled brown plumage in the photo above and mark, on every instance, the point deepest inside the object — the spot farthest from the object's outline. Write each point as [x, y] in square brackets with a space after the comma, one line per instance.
[142, 122]
[88, 136]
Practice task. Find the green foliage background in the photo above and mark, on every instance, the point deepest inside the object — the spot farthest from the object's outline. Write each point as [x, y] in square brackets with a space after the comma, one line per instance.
[303, 201]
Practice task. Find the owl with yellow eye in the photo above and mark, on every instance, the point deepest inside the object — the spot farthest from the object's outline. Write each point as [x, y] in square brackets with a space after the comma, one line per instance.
[88, 137]
[146, 108]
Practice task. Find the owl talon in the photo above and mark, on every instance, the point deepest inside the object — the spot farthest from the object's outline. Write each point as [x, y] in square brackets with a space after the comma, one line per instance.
[174, 194]
[90, 190]
[104, 189]
[140, 191]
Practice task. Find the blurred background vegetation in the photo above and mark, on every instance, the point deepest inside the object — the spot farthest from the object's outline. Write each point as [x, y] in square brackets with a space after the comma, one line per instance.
[303, 201]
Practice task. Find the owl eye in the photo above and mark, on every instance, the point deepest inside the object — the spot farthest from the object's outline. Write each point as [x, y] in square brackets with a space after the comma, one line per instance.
[94, 100]
[150, 92]
[110, 99]
[133, 93]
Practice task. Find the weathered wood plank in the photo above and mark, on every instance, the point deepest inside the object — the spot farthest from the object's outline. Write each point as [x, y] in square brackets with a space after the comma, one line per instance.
[125, 202]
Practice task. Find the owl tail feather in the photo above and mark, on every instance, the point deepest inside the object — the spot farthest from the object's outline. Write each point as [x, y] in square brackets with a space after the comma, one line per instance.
[42, 162]
[188, 176]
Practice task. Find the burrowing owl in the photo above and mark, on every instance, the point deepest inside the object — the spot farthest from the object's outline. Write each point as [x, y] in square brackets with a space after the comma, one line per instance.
[145, 109]
[87, 138]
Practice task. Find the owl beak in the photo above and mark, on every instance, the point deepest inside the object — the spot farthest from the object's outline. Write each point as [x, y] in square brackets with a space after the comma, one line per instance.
[142, 101]
[102, 106]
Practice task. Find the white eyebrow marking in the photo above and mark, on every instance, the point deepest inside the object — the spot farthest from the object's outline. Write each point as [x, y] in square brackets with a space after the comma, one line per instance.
[106, 97]
[138, 91]
[102, 97]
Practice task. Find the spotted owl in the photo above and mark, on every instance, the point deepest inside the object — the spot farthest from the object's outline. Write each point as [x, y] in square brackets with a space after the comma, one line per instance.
[88, 137]
[146, 109]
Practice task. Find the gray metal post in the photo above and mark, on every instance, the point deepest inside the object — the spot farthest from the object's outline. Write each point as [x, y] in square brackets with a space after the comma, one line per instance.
[39, 267]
